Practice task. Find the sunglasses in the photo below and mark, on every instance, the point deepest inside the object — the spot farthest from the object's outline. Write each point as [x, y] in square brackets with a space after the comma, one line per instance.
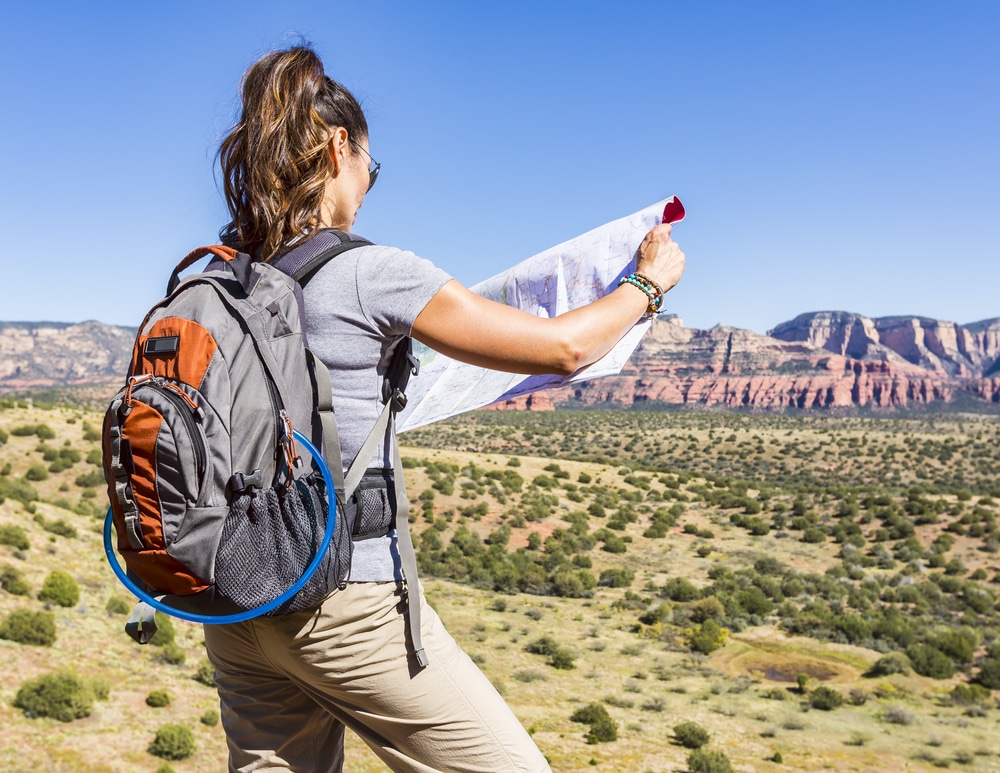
[373, 165]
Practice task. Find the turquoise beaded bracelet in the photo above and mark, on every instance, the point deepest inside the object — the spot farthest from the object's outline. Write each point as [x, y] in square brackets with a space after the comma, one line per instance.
[653, 291]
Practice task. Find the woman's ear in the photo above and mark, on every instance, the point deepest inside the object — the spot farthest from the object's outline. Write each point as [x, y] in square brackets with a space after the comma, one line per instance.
[337, 148]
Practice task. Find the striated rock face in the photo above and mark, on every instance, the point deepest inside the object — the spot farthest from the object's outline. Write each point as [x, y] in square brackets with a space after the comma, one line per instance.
[46, 354]
[963, 351]
[818, 360]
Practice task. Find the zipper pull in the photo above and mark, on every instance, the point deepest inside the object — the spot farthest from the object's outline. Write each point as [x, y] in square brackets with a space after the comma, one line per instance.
[287, 442]
[195, 408]
[133, 382]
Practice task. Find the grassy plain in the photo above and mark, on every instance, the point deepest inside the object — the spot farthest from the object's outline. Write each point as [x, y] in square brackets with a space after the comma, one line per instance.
[869, 521]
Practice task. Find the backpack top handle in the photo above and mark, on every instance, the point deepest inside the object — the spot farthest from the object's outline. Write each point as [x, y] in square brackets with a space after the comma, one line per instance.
[238, 262]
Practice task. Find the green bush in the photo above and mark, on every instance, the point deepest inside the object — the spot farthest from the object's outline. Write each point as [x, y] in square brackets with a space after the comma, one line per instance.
[117, 606]
[703, 761]
[602, 727]
[165, 631]
[90, 479]
[165, 768]
[14, 536]
[12, 581]
[825, 698]
[968, 694]
[989, 673]
[158, 699]
[36, 472]
[690, 735]
[59, 526]
[173, 654]
[27, 627]
[205, 674]
[892, 663]
[708, 637]
[173, 742]
[210, 718]
[63, 696]
[44, 432]
[930, 661]
[60, 588]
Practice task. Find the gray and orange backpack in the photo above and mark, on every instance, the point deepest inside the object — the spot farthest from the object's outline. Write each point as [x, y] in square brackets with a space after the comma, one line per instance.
[216, 515]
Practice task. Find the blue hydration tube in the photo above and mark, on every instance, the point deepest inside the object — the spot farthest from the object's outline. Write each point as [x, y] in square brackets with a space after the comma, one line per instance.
[239, 617]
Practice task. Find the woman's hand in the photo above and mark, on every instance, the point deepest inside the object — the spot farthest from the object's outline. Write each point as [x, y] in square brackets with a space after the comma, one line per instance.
[659, 257]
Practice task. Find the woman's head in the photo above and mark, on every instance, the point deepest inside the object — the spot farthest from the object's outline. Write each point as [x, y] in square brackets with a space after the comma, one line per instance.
[298, 132]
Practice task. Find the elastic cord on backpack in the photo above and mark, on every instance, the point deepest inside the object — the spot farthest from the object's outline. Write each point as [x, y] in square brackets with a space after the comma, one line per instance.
[239, 617]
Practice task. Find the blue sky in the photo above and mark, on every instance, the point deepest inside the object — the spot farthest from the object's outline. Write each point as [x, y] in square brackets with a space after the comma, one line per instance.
[831, 155]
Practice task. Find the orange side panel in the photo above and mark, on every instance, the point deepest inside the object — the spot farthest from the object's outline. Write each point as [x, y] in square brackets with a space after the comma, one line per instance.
[140, 430]
[188, 364]
[154, 566]
[163, 572]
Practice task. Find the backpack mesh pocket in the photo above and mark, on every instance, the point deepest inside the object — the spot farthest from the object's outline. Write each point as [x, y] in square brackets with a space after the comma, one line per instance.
[268, 540]
[374, 506]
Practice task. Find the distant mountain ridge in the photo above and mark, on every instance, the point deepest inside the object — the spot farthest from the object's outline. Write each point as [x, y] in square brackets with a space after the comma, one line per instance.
[824, 359]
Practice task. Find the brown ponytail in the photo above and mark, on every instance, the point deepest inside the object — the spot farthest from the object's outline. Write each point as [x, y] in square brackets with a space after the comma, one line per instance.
[274, 161]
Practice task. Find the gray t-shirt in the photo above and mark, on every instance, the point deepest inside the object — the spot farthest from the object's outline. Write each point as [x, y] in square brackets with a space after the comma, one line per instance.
[359, 306]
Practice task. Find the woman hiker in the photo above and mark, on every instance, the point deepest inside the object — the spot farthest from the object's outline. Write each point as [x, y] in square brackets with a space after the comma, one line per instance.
[299, 161]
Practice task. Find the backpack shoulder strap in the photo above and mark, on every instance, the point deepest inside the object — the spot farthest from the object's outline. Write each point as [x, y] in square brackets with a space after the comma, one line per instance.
[301, 263]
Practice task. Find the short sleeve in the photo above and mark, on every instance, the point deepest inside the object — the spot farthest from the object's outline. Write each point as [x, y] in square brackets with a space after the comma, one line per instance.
[394, 286]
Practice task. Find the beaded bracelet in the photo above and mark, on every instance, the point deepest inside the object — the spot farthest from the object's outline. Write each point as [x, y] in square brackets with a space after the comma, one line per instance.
[648, 286]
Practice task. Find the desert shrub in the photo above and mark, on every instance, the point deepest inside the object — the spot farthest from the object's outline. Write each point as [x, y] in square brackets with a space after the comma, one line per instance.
[690, 735]
[704, 761]
[825, 698]
[165, 768]
[892, 663]
[19, 490]
[90, 479]
[210, 718]
[930, 661]
[44, 432]
[3, 436]
[60, 588]
[708, 637]
[989, 673]
[602, 727]
[59, 526]
[14, 536]
[897, 715]
[173, 742]
[173, 654]
[814, 535]
[158, 699]
[857, 696]
[680, 589]
[205, 674]
[117, 606]
[36, 472]
[12, 580]
[62, 695]
[968, 694]
[562, 659]
[709, 608]
[618, 577]
[165, 631]
[27, 627]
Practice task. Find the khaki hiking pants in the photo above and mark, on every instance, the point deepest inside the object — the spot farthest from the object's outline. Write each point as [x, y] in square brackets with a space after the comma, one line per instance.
[289, 685]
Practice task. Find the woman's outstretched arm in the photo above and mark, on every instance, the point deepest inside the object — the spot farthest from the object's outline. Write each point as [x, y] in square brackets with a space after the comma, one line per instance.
[467, 327]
